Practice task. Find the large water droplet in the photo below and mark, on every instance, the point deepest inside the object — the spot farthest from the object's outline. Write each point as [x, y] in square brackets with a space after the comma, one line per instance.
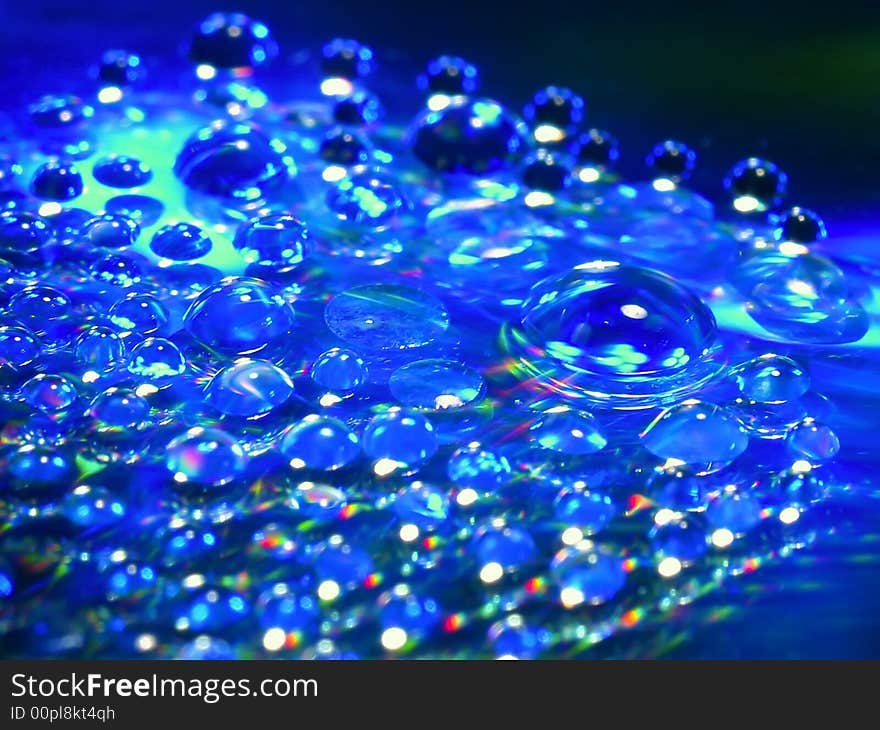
[120, 171]
[320, 442]
[57, 180]
[771, 379]
[249, 388]
[399, 438]
[205, 457]
[568, 431]
[342, 371]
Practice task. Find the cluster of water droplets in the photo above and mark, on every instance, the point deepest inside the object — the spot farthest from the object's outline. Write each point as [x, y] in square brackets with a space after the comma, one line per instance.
[279, 377]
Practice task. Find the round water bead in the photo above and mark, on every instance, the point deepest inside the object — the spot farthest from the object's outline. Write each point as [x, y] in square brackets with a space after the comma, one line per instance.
[546, 171]
[280, 242]
[406, 617]
[232, 160]
[370, 199]
[615, 334]
[672, 160]
[596, 149]
[121, 171]
[403, 438]
[436, 384]
[588, 510]
[92, 507]
[239, 316]
[317, 502]
[450, 76]
[768, 420]
[554, 114]
[157, 360]
[231, 41]
[813, 441]
[339, 370]
[344, 147]
[119, 68]
[184, 543]
[500, 548]
[117, 269]
[141, 208]
[140, 313]
[39, 306]
[342, 566]
[701, 436]
[568, 431]
[386, 317]
[475, 467]
[771, 378]
[755, 185]
[287, 615]
[345, 58]
[22, 235]
[587, 573]
[58, 112]
[110, 231]
[18, 346]
[180, 242]
[49, 393]
[683, 539]
[357, 109]
[57, 180]
[799, 225]
[118, 412]
[468, 136]
[249, 388]
[320, 442]
[423, 505]
[39, 470]
[206, 457]
[737, 511]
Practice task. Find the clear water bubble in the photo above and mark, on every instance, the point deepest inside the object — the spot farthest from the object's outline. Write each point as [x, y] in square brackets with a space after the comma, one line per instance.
[59, 111]
[49, 393]
[206, 457]
[120, 68]
[344, 147]
[117, 269]
[671, 160]
[509, 548]
[143, 209]
[278, 242]
[587, 573]
[816, 442]
[421, 504]
[370, 199]
[449, 76]
[799, 225]
[546, 171]
[479, 468]
[39, 306]
[320, 503]
[121, 171]
[737, 511]
[284, 610]
[22, 235]
[57, 180]
[771, 378]
[755, 185]
[470, 136]
[399, 438]
[386, 317]
[358, 109]
[157, 360]
[231, 41]
[180, 242]
[18, 346]
[703, 437]
[683, 539]
[588, 510]
[118, 412]
[554, 114]
[320, 442]
[568, 431]
[110, 231]
[239, 316]
[436, 384]
[615, 334]
[345, 58]
[234, 161]
[249, 388]
[140, 313]
[768, 420]
[92, 507]
[339, 370]
[596, 149]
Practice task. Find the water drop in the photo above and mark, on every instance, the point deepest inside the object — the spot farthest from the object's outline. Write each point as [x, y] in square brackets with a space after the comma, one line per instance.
[283, 608]
[180, 242]
[231, 41]
[92, 507]
[554, 114]
[671, 160]
[568, 431]
[449, 76]
[344, 565]
[813, 441]
[39, 307]
[508, 547]
[755, 185]
[18, 346]
[771, 379]
[339, 370]
[117, 269]
[320, 442]
[475, 467]
[110, 231]
[140, 313]
[157, 360]
[344, 58]
[422, 505]
[120, 68]
[369, 199]
[205, 457]
[57, 180]
[121, 171]
[278, 242]
[249, 388]
[596, 149]
[22, 235]
[585, 573]
[344, 147]
[799, 225]
[406, 439]
[358, 109]
[436, 384]
[141, 208]
[118, 412]
[585, 509]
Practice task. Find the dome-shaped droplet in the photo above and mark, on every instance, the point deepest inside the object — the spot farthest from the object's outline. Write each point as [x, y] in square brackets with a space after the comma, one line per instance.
[59, 111]
[477, 467]
[233, 161]
[397, 436]
[232, 41]
[18, 346]
[49, 393]
[239, 316]
[736, 511]
[585, 509]
[509, 548]
[120, 68]
[386, 317]
[360, 108]
[92, 507]
[341, 371]
[755, 185]
[99, 348]
[701, 436]
[682, 539]
[110, 231]
[772, 379]
[320, 442]
[205, 457]
[278, 242]
[118, 411]
[249, 388]
[813, 441]
[344, 147]
[469, 136]
[285, 611]
[423, 505]
[615, 334]
[568, 431]
[140, 313]
[449, 76]
[370, 199]
[596, 149]
[57, 180]
[140, 208]
[671, 160]
[799, 225]
[39, 307]
[342, 564]
[345, 58]
[585, 573]
[554, 114]
[120, 171]
[157, 360]
[318, 502]
[546, 172]
[180, 242]
[436, 384]
[22, 235]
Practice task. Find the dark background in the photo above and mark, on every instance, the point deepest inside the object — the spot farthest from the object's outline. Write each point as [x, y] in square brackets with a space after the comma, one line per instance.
[796, 83]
